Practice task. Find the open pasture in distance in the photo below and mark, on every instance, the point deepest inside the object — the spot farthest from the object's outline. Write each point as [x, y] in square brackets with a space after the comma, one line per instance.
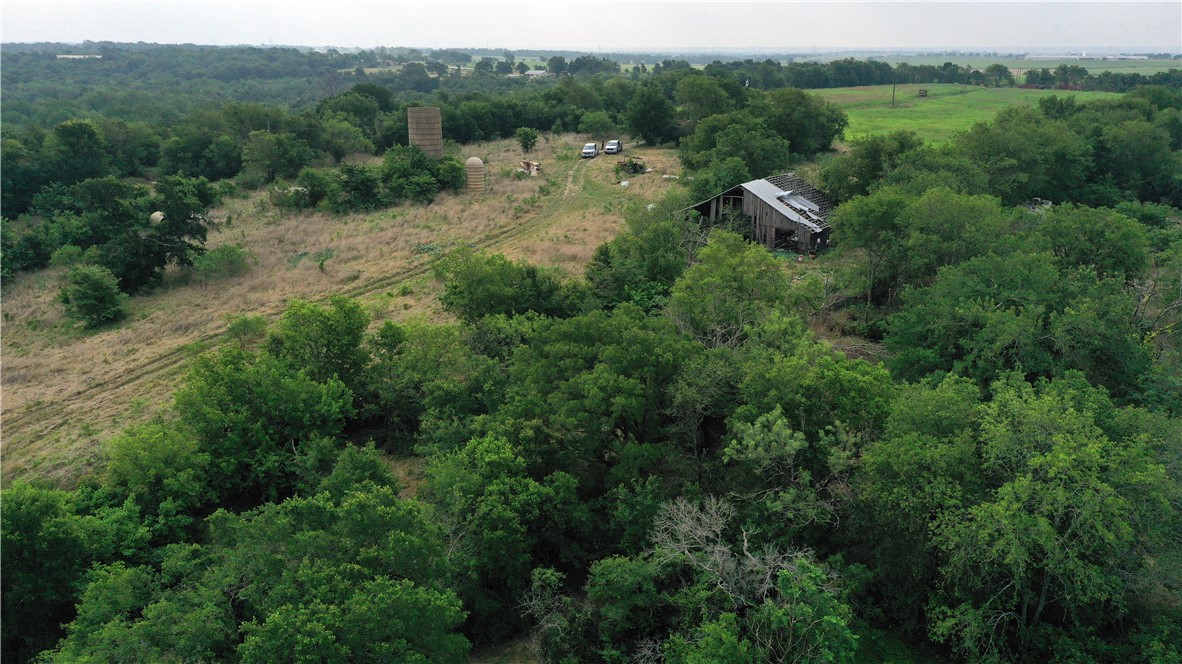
[948, 108]
[1145, 67]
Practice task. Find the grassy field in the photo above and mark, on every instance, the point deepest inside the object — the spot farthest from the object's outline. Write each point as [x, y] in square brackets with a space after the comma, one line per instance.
[1146, 67]
[65, 390]
[949, 108]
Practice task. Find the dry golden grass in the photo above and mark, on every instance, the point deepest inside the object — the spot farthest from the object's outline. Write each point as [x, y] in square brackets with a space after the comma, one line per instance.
[521, 650]
[64, 390]
[409, 472]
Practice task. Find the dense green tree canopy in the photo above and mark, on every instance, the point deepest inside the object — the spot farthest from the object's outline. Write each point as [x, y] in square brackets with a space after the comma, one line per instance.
[953, 439]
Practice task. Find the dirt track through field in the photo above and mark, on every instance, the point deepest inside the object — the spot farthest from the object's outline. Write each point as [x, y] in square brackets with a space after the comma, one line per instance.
[569, 188]
[33, 432]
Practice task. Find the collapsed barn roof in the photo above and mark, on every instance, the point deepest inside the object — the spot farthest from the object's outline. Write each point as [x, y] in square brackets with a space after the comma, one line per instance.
[785, 211]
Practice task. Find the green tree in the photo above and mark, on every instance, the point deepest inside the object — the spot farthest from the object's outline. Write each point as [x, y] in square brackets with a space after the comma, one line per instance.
[1053, 540]
[22, 177]
[162, 469]
[761, 153]
[484, 66]
[182, 232]
[1139, 158]
[349, 573]
[222, 159]
[358, 109]
[927, 167]
[817, 389]
[527, 138]
[999, 76]
[449, 174]
[45, 550]
[46, 545]
[870, 224]
[358, 188]
[624, 598]
[222, 262]
[1114, 245]
[597, 382]
[718, 641]
[129, 613]
[775, 473]
[91, 294]
[942, 228]
[384, 97]
[323, 342]
[384, 620]
[700, 97]
[408, 172]
[269, 155]
[718, 176]
[994, 314]
[805, 621]
[132, 146]
[906, 240]
[790, 605]
[342, 138]
[75, 150]
[556, 65]
[598, 124]
[146, 243]
[924, 463]
[809, 123]
[644, 260]
[869, 160]
[731, 288]
[496, 517]
[740, 135]
[1024, 156]
[253, 415]
[1070, 74]
[650, 115]
[478, 285]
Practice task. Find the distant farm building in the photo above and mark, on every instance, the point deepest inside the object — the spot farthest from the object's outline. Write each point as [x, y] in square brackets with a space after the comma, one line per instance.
[785, 212]
[86, 56]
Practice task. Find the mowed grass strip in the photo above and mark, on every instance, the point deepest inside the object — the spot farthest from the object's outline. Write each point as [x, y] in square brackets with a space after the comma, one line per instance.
[948, 108]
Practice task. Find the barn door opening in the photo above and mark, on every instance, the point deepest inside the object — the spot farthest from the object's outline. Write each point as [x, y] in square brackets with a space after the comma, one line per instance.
[787, 240]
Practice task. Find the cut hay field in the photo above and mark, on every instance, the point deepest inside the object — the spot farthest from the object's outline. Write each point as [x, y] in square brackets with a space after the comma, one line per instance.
[65, 391]
[949, 108]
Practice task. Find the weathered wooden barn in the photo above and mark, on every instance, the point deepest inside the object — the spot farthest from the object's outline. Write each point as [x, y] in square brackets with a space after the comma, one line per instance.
[785, 212]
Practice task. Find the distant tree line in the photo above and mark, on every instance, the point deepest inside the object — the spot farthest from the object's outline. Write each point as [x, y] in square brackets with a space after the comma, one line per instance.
[138, 82]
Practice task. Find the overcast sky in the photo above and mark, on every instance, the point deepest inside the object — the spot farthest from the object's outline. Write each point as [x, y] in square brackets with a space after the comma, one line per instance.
[607, 26]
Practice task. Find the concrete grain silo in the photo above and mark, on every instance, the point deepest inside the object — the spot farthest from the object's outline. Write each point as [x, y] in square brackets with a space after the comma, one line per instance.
[425, 126]
[474, 169]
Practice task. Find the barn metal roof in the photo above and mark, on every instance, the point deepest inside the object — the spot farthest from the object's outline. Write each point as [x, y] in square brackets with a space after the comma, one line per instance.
[793, 209]
[804, 202]
[793, 182]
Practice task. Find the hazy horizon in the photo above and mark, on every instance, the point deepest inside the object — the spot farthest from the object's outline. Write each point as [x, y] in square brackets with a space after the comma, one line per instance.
[625, 27]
